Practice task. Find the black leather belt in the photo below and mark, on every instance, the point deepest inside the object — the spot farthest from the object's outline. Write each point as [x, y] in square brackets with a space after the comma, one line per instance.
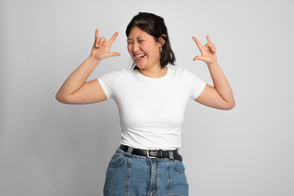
[152, 153]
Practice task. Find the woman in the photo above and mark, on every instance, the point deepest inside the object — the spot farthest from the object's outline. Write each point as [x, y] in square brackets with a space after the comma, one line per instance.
[151, 99]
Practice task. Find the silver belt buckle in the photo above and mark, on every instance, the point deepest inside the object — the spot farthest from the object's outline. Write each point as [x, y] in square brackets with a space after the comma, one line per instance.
[148, 153]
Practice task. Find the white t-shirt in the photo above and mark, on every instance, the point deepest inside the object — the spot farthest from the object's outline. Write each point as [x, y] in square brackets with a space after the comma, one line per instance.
[151, 110]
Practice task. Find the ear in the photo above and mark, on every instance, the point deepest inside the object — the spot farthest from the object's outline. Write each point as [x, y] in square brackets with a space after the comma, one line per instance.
[161, 40]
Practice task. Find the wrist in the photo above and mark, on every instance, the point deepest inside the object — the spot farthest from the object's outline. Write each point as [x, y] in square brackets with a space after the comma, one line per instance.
[95, 59]
[212, 64]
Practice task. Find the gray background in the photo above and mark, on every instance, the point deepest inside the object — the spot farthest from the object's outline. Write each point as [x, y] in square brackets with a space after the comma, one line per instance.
[48, 148]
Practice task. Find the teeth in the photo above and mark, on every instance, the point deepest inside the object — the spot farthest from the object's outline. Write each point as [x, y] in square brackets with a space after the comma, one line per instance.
[140, 55]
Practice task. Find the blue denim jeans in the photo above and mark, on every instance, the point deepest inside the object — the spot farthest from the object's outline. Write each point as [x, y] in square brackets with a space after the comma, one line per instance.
[133, 175]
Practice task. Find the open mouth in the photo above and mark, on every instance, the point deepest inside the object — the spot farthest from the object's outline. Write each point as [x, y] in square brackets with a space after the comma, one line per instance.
[139, 57]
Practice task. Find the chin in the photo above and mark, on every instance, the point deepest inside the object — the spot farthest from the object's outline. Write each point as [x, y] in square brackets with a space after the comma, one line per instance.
[140, 66]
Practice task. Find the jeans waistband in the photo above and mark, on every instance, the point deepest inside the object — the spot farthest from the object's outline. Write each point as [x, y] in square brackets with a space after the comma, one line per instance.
[172, 154]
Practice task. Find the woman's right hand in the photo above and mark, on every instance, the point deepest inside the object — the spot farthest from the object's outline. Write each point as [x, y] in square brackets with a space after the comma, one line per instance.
[100, 49]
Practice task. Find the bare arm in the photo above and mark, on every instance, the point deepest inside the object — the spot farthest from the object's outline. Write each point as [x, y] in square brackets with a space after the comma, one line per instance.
[220, 96]
[77, 78]
[75, 88]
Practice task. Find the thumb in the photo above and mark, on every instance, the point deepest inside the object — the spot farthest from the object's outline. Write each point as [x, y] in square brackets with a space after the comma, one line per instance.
[113, 54]
[198, 58]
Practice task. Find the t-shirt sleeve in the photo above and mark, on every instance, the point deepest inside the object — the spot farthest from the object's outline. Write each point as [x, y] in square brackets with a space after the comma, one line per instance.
[198, 84]
[108, 82]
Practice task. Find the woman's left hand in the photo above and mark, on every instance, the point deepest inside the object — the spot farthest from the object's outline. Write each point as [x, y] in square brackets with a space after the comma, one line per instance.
[207, 51]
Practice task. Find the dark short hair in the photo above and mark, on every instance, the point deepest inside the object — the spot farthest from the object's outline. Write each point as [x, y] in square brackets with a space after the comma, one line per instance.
[153, 25]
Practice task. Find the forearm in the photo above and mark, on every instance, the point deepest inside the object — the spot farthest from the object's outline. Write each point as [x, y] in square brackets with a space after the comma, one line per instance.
[78, 77]
[221, 83]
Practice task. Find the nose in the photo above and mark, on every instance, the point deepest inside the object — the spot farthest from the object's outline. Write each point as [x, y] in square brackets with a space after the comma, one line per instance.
[135, 47]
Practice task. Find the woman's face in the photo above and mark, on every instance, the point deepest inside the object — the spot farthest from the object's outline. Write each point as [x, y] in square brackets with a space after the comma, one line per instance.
[143, 49]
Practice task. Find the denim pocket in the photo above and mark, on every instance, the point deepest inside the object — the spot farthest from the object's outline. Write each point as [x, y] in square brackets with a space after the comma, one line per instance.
[179, 166]
[116, 160]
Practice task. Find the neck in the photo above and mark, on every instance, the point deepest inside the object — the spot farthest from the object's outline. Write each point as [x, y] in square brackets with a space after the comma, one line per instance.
[154, 72]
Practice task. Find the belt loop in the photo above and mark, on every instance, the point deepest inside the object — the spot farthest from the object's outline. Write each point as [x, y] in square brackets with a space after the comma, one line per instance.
[171, 154]
[130, 150]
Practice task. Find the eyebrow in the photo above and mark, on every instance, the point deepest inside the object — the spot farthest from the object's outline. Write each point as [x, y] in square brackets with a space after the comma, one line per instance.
[137, 37]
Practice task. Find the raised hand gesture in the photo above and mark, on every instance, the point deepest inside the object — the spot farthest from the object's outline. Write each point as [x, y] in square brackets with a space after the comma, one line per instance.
[207, 51]
[100, 49]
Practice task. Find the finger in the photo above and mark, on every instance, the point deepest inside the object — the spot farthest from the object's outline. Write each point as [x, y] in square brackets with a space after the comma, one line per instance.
[96, 34]
[214, 47]
[110, 54]
[111, 40]
[208, 39]
[211, 47]
[198, 58]
[197, 43]
[114, 54]
[97, 41]
[101, 41]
